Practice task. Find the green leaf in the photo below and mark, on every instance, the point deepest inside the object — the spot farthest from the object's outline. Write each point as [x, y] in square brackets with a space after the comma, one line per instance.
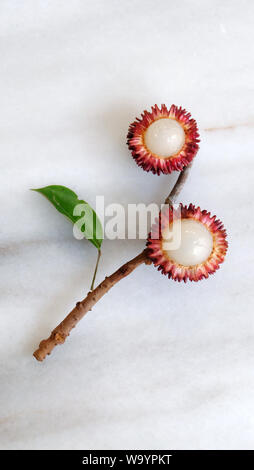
[85, 220]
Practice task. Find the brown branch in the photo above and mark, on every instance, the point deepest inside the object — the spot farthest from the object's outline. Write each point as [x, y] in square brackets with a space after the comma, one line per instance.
[181, 180]
[60, 333]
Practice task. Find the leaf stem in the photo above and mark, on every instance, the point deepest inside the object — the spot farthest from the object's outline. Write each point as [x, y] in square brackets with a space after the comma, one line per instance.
[95, 270]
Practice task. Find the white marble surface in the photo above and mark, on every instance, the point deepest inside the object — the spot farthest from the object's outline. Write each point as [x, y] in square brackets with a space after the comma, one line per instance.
[156, 364]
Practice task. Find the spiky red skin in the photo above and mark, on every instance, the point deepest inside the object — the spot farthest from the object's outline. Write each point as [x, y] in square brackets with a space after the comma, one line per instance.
[152, 162]
[179, 272]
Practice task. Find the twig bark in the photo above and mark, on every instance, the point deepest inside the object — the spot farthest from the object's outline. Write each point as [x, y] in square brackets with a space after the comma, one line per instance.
[60, 333]
[181, 180]
[63, 330]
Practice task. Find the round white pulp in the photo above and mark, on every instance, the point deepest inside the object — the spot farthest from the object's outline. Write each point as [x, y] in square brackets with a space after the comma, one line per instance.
[164, 137]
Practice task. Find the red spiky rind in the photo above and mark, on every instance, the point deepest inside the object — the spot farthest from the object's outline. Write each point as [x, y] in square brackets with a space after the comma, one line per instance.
[152, 162]
[177, 271]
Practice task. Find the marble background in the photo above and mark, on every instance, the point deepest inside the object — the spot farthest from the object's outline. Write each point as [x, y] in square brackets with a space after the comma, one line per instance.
[156, 364]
